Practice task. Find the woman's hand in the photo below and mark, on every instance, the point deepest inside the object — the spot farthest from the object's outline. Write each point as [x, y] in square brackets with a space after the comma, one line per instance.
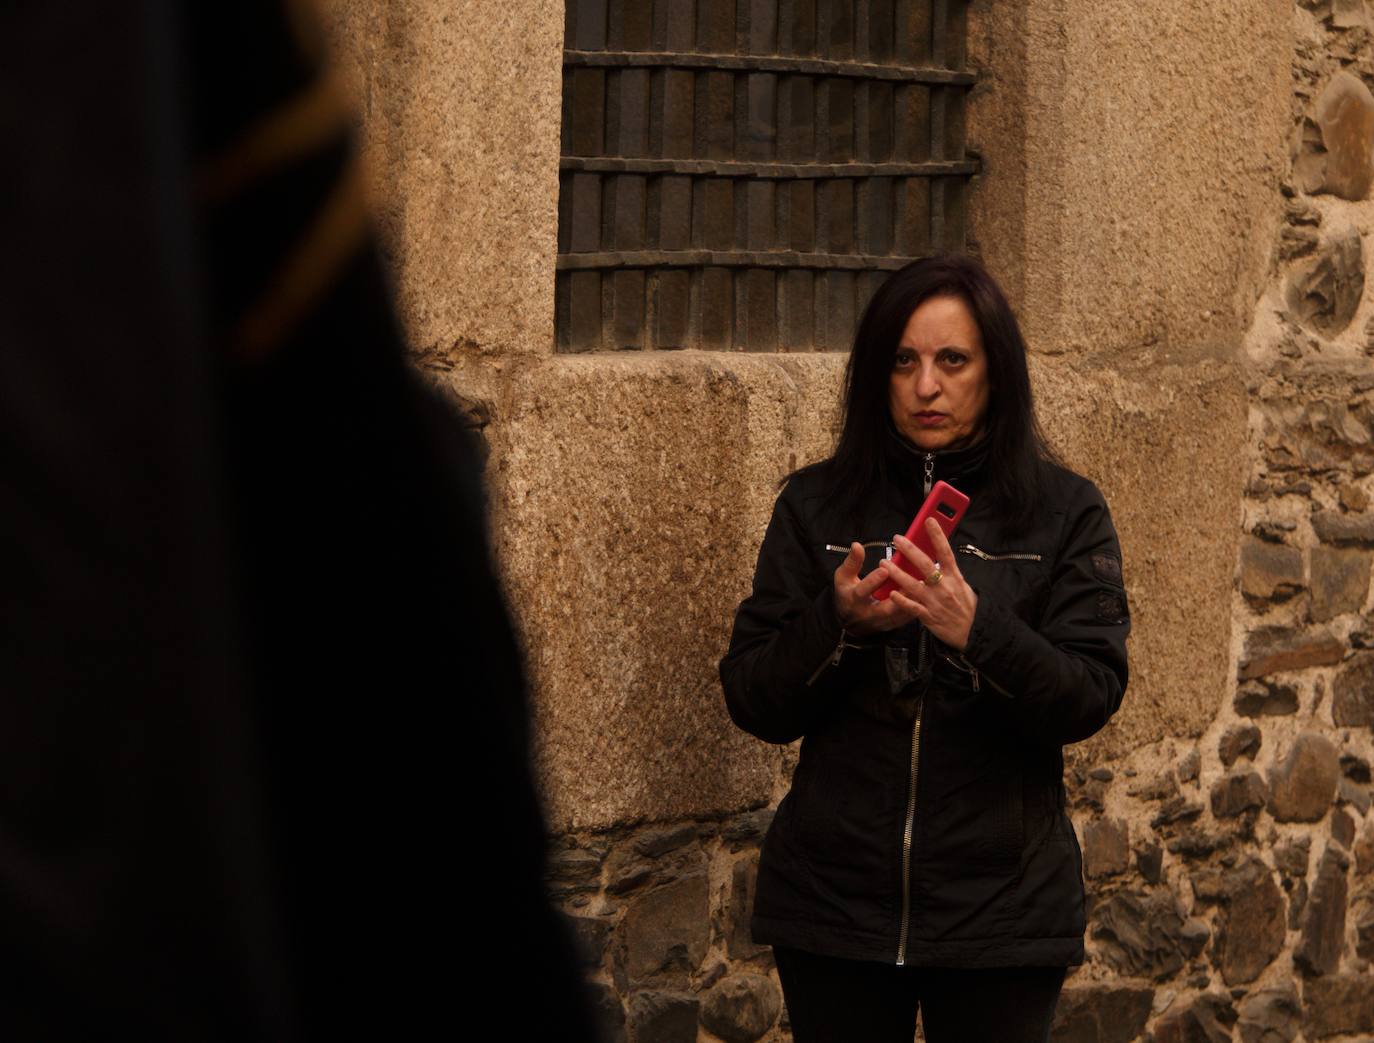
[946, 608]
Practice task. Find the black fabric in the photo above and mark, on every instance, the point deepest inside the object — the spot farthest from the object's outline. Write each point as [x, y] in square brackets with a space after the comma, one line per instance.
[995, 871]
[831, 1000]
[262, 708]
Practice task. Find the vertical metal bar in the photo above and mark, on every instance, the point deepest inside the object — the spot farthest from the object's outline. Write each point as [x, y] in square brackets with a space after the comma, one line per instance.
[839, 137]
[761, 208]
[627, 322]
[912, 221]
[584, 318]
[956, 33]
[763, 26]
[760, 332]
[955, 213]
[954, 122]
[588, 111]
[761, 122]
[627, 217]
[715, 115]
[717, 225]
[797, 119]
[591, 24]
[632, 114]
[937, 213]
[804, 34]
[677, 114]
[913, 21]
[881, 31]
[841, 35]
[565, 210]
[880, 121]
[586, 213]
[862, 141]
[937, 122]
[632, 24]
[939, 13]
[717, 308]
[798, 309]
[875, 209]
[825, 15]
[716, 26]
[839, 310]
[675, 212]
[679, 23]
[801, 216]
[562, 311]
[671, 298]
[839, 225]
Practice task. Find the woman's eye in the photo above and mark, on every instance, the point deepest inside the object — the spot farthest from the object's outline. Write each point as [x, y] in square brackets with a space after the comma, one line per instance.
[903, 359]
[955, 358]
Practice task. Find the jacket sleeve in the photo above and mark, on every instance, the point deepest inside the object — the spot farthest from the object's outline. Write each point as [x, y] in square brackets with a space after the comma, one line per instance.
[778, 670]
[1066, 678]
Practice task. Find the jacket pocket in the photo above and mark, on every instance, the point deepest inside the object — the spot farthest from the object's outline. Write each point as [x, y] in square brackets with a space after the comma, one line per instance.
[975, 823]
[985, 555]
[1005, 837]
[969, 859]
[840, 807]
[1050, 895]
[1017, 577]
[875, 552]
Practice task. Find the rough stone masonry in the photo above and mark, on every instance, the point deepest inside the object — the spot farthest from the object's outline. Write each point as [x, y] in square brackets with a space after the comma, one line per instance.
[1231, 877]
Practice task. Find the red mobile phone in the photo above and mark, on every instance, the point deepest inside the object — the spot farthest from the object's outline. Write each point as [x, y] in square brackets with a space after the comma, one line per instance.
[946, 505]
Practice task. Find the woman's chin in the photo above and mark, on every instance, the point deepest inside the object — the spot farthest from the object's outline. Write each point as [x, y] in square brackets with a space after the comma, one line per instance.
[931, 439]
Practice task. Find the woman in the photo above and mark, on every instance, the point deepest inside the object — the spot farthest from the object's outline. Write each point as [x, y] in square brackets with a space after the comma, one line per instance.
[923, 855]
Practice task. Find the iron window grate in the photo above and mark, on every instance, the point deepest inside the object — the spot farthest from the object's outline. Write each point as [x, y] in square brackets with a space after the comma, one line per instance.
[741, 174]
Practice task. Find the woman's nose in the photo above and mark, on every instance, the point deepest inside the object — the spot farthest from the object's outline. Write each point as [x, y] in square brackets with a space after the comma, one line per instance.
[926, 384]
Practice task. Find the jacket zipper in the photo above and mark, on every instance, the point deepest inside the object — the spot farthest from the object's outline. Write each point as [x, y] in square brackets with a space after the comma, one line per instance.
[989, 680]
[963, 664]
[831, 660]
[968, 548]
[909, 831]
[834, 659]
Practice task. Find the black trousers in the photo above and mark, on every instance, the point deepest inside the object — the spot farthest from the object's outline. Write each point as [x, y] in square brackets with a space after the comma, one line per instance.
[830, 1000]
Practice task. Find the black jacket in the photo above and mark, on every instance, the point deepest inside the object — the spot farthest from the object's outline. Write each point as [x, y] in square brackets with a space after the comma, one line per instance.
[925, 824]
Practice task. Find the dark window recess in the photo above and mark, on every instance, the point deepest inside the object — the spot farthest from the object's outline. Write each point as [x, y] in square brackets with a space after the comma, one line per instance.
[740, 174]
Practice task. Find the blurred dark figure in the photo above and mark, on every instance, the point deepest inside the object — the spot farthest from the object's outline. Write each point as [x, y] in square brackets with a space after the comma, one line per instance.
[263, 751]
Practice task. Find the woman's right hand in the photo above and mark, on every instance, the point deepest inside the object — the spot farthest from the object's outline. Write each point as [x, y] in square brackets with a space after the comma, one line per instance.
[859, 613]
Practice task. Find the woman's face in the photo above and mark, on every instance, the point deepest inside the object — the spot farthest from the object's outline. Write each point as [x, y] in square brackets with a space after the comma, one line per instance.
[939, 387]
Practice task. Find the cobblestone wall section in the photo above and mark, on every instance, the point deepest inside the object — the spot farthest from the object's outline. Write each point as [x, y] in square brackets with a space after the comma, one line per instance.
[1231, 878]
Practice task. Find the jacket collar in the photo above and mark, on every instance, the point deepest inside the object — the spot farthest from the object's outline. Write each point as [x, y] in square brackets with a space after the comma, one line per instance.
[963, 468]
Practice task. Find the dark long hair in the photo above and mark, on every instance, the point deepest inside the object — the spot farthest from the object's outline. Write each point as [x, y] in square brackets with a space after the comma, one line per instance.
[1017, 452]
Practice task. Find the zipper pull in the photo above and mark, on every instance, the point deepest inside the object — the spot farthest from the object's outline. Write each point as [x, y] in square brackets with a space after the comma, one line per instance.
[834, 658]
[930, 472]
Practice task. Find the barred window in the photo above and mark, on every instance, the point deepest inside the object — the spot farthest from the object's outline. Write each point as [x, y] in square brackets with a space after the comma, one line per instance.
[741, 174]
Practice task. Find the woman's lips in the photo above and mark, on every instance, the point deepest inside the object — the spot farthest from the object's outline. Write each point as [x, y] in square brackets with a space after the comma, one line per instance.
[929, 419]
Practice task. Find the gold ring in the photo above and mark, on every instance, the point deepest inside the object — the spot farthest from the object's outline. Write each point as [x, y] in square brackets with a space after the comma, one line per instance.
[934, 577]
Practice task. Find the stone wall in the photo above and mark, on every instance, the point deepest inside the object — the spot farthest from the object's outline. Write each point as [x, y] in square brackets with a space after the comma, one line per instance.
[630, 489]
[1230, 865]
[1140, 202]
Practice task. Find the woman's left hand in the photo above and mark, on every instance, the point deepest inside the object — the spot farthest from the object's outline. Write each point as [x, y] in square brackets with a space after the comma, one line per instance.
[946, 607]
